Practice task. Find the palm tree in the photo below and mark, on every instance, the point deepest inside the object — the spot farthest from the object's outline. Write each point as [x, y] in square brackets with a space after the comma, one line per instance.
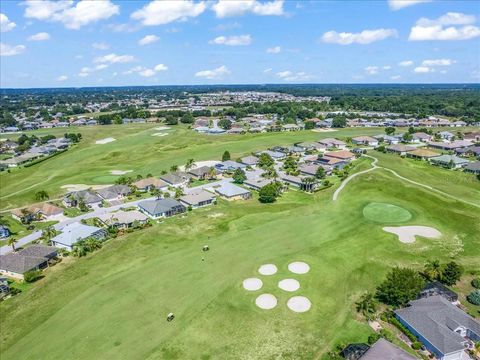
[3, 221]
[190, 164]
[433, 270]
[178, 192]
[48, 233]
[174, 168]
[41, 195]
[367, 305]
[79, 249]
[212, 173]
[12, 241]
[26, 219]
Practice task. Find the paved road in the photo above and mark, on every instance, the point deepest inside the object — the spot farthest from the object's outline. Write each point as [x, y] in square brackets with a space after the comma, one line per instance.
[347, 180]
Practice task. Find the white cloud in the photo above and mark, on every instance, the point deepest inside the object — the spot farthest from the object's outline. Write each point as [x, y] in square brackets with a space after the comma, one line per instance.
[423, 69]
[5, 23]
[160, 12]
[114, 58]
[147, 72]
[438, 62]
[11, 50]
[451, 26]
[364, 37]
[215, 74]
[400, 4]
[288, 75]
[62, 78]
[274, 50]
[226, 8]
[395, 77]
[405, 63]
[101, 66]
[72, 15]
[386, 67]
[371, 70]
[100, 46]
[238, 40]
[83, 74]
[148, 39]
[267, 70]
[41, 36]
[160, 67]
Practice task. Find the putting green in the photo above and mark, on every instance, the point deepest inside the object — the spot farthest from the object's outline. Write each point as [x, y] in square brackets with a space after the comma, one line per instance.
[386, 213]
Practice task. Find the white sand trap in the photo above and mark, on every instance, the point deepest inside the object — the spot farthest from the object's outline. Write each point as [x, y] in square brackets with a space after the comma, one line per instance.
[160, 128]
[266, 301]
[406, 234]
[267, 269]
[215, 215]
[120, 172]
[289, 284]
[323, 130]
[298, 267]
[160, 134]
[80, 187]
[105, 141]
[252, 284]
[299, 304]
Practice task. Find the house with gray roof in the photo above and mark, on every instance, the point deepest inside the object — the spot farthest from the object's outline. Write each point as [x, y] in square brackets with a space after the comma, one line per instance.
[444, 329]
[257, 183]
[275, 155]
[229, 166]
[114, 192]
[123, 219]
[201, 173]
[177, 179]
[198, 198]
[231, 191]
[381, 350]
[249, 160]
[34, 257]
[75, 232]
[449, 161]
[473, 167]
[89, 197]
[400, 149]
[161, 208]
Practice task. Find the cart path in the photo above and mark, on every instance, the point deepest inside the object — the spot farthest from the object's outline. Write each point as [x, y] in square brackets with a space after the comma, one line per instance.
[375, 166]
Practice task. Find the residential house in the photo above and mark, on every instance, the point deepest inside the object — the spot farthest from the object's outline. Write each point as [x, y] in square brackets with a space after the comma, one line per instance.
[4, 287]
[249, 160]
[310, 146]
[387, 139]
[229, 166]
[419, 137]
[34, 257]
[344, 155]
[457, 144]
[197, 198]
[88, 197]
[333, 143]
[365, 140]
[469, 151]
[311, 169]
[446, 135]
[400, 149]
[422, 154]
[299, 181]
[275, 155]
[291, 127]
[123, 219]
[161, 208]
[449, 161]
[472, 136]
[75, 232]
[231, 191]
[177, 179]
[473, 167]
[444, 329]
[150, 183]
[257, 183]
[331, 162]
[114, 192]
[202, 173]
[380, 350]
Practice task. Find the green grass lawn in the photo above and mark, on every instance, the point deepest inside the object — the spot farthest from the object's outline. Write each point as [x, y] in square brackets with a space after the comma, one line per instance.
[113, 304]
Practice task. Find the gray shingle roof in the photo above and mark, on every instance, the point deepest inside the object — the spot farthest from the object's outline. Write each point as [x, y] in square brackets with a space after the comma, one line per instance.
[27, 259]
[114, 191]
[385, 350]
[160, 206]
[436, 320]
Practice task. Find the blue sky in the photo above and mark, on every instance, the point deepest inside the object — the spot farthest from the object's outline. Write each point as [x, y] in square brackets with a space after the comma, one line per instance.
[111, 42]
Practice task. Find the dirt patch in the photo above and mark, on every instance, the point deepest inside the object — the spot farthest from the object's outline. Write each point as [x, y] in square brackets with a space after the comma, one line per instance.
[105, 141]
[120, 172]
[323, 130]
[160, 128]
[406, 234]
[160, 134]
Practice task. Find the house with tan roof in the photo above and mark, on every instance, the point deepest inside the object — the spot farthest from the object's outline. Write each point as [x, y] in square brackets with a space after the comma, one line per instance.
[150, 183]
[341, 154]
[422, 154]
[365, 140]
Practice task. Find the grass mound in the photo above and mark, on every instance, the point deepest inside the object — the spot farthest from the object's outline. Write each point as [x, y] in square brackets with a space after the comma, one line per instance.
[386, 213]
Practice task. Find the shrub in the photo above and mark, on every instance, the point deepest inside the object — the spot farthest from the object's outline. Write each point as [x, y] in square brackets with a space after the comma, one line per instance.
[372, 339]
[400, 286]
[416, 345]
[474, 297]
[31, 276]
[476, 283]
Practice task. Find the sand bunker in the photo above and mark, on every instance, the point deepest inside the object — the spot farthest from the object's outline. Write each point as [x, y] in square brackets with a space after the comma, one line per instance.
[298, 267]
[252, 284]
[160, 134]
[267, 269]
[266, 301]
[120, 172]
[323, 130]
[80, 187]
[406, 234]
[105, 141]
[160, 128]
[299, 304]
[289, 284]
